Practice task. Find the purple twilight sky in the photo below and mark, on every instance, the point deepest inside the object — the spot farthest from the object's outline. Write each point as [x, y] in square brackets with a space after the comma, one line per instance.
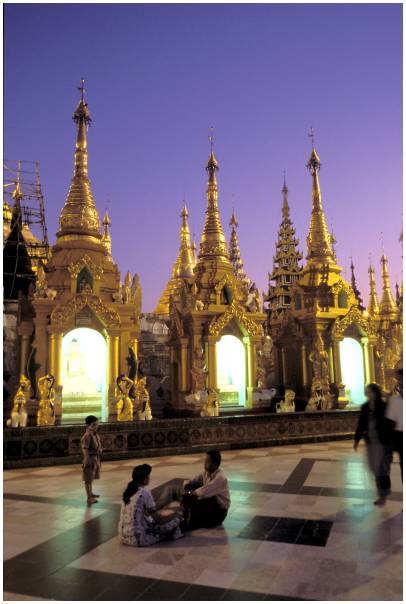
[158, 76]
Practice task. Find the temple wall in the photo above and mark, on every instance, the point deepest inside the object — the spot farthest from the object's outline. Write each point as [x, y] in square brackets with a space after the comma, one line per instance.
[61, 444]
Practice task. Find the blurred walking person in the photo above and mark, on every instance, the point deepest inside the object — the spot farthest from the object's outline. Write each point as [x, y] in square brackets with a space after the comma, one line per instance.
[376, 429]
[394, 412]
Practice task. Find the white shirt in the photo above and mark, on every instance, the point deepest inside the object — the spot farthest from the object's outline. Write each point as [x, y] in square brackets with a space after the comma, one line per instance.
[394, 411]
[214, 485]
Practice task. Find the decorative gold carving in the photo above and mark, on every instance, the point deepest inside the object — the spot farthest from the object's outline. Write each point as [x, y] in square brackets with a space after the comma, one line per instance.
[354, 315]
[46, 411]
[124, 404]
[87, 262]
[342, 285]
[141, 399]
[63, 312]
[211, 407]
[288, 404]
[218, 324]
[19, 415]
[199, 370]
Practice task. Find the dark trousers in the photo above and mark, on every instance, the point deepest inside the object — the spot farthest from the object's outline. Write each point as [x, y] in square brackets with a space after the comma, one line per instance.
[398, 448]
[202, 513]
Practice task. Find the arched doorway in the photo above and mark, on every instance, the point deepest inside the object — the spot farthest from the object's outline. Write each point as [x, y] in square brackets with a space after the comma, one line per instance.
[231, 371]
[352, 370]
[84, 375]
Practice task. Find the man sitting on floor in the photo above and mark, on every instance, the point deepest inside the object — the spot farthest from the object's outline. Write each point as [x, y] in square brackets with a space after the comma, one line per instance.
[207, 497]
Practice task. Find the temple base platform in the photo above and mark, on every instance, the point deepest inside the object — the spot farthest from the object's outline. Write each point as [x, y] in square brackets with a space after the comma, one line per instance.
[57, 445]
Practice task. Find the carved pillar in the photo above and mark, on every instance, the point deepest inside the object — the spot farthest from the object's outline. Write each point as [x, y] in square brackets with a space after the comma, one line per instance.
[51, 354]
[342, 399]
[24, 351]
[337, 362]
[331, 363]
[371, 355]
[249, 356]
[212, 362]
[183, 363]
[305, 376]
[284, 366]
[113, 372]
[365, 356]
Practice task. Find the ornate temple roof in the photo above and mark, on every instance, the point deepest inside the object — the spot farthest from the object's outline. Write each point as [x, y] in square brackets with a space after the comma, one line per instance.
[234, 251]
[373, 305]
[182, 268]
[387, 305]
[79, 215]
[213, 242]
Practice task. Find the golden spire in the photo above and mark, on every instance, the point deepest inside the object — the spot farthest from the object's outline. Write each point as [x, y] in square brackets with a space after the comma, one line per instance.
[285, 205]
[318, 240]
[184, 264]
[106, 238]
[79, 215]
[387, 305]
[373, 305]
[234, 250]
[17, 194]
[182, 269]
[213, 243]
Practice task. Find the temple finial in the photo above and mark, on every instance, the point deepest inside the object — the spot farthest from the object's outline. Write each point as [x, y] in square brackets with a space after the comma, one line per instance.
[311, 135]
[79, 214]
[285, 204]
[234, 250]
[373, 305]
[106, 237]
[354, 286]
[319, 243]
[387, 305]
[81, 89]
[213, 243]
[17, 194]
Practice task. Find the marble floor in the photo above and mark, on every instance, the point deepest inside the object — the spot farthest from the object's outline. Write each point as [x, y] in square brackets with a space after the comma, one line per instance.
[302, 526]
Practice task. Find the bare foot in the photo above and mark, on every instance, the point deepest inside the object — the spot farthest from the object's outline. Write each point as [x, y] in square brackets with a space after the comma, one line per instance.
[91, 501]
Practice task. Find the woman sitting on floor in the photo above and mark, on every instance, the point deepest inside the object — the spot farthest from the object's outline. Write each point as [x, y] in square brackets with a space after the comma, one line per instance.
[140, 524]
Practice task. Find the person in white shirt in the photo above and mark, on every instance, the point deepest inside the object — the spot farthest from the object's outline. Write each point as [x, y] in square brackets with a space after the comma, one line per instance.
[394, 412]
[206, 500]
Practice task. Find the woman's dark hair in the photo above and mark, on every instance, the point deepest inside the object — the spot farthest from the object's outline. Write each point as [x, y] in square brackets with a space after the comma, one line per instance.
[376, 390]
[90, 419]
[139, 475]
[215, 457]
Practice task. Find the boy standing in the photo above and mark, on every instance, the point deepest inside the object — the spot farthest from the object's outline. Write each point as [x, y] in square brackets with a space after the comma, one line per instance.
[91, 448]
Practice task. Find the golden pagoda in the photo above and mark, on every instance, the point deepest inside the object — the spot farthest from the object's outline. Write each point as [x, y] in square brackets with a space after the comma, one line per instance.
[325, 325]
[215, 323]
[84, 325]
[181, 270]
[373, 304]
[286, 268]
[234, 251]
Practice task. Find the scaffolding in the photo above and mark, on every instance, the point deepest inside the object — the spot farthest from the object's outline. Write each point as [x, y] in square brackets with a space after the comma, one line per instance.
[24, 176]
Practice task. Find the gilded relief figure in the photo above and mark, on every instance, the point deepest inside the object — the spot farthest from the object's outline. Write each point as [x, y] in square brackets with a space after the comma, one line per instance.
[46, 411]
[320, 391]
[124, 403]
[199, 371]
[19, 415]
[211, 407]
[142, 402]
[288, 404]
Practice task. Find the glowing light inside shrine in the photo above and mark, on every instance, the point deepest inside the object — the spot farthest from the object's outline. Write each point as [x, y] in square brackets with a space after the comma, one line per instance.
[231, 370]
[352, 370]
[84, 371]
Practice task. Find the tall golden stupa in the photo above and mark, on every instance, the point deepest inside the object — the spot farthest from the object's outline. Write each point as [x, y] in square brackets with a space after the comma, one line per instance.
[215, 318]
[80, 302]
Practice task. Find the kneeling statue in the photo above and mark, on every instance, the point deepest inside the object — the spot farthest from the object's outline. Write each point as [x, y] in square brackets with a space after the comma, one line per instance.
[124, 403]
[46, 410]
[143, 406]
[19, 415]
